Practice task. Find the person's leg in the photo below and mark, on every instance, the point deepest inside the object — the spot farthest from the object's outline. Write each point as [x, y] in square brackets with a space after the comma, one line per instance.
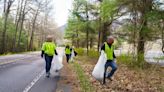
[114, 68]
[67, 57]
[105, 71]
[46, 60]
[49, 63]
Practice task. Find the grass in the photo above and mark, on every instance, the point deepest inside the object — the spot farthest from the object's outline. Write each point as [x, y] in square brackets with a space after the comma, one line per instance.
[84, 81]
[132, 62]
[160, 58]
[93, 53]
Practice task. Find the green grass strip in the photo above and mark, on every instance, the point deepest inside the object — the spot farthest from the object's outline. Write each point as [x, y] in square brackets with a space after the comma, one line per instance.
[84, 81]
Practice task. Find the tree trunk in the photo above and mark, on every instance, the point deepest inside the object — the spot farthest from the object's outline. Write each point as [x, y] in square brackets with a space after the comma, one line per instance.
[77, 38]
[104, 32]
[91, 42]
[33, 29]
[22, 22]
[162, 37]
[4, 34]
[17, 24]
[87, 25]
[99, 35]
[6, 13]
[147, 6]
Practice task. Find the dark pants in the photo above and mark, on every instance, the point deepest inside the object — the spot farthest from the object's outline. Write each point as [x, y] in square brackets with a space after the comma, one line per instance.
[68, 57]
[48, 60]
[113, 65]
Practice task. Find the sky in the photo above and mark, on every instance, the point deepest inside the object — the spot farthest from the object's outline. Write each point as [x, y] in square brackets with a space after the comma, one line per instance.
[61, 9]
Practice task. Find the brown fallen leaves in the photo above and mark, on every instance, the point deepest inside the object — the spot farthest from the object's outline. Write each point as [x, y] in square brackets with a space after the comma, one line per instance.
[127, 80]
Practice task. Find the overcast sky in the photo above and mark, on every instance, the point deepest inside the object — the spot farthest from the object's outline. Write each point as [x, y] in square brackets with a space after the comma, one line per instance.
[61, 8]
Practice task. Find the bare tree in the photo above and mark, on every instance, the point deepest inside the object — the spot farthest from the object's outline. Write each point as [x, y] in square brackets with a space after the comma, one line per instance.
[22, 18]
[7, 6]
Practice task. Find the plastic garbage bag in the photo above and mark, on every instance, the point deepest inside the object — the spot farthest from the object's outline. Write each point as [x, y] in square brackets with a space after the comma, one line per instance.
[72, 56]
[57, 62]
[98, 71]
[115, 60]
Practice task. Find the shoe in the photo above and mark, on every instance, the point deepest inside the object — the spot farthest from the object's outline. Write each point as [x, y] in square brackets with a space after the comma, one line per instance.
[110, 78]
[48, 74]
[103, 83]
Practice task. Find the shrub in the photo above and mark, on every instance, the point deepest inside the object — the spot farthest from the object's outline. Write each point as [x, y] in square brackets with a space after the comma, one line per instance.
[131, 61]
[80, 51]
[93, 53]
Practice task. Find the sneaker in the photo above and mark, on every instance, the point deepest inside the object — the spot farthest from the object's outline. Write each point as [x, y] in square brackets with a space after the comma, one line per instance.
[56, 70]
[48, 74]
[110, 78]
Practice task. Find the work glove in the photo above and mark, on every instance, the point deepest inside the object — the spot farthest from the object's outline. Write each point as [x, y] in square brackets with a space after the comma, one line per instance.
[56, 52]
[42, 55]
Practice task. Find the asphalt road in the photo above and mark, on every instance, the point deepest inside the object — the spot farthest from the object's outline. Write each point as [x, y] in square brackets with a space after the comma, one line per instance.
[25, 73]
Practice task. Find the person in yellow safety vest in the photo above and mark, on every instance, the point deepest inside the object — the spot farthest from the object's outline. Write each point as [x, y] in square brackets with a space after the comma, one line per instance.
[48, 51]
[109, 50]
[68, 51]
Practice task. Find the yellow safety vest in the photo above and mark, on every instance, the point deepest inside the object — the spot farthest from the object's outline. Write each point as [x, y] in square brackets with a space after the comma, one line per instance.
[109, 51]
[49, 48]
[67, 51]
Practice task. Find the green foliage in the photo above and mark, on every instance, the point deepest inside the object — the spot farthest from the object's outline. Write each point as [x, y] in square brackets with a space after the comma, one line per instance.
[93, 53]
[80, 51]
[84, 81]
[108, 9]
[10, 36]
[79, 24]
[125, 59]
[132, 62]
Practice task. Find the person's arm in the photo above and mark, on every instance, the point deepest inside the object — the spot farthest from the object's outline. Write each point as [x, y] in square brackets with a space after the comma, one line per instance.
[43, 48]
[75, 53]
[103, 47]
[114, 55]
[55, 49]
[56, 52]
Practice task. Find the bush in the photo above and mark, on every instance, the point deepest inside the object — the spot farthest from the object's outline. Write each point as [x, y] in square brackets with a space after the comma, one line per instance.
[131, 61]
[93, 53]
[80, 51]
[125, 59]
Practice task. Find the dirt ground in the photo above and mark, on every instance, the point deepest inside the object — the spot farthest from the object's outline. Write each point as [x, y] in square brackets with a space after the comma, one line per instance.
[126, 79]
[68, 81]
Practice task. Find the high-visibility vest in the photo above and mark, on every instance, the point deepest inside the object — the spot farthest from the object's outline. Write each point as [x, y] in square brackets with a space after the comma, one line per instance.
[109, 51]
[67, 51]
[49, 48]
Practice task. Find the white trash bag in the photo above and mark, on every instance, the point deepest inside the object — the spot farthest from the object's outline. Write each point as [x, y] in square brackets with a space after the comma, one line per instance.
[115, 60]
[72, 55]
[57, 62]
[98, 71]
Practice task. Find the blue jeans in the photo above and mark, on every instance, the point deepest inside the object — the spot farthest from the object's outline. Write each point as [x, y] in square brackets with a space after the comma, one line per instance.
[113, 65]
[68, 56]
[48, 60]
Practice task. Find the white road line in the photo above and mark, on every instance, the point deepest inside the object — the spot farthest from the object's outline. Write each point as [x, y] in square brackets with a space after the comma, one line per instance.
[28, 87]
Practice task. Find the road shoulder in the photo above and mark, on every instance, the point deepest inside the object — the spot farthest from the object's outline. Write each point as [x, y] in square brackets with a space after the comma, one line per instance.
[68, 80]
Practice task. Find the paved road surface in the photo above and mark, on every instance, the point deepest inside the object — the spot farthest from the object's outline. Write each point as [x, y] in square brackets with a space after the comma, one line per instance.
[25, 73]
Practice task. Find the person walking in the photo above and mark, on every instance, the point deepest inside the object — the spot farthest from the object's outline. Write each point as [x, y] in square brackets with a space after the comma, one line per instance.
[68, 51]
[109, 50]
[48, 51]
